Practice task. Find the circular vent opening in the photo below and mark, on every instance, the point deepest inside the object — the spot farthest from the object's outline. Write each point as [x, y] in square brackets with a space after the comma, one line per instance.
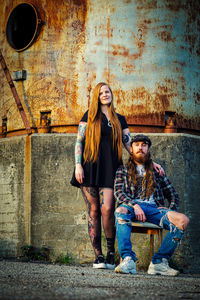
[22, 26]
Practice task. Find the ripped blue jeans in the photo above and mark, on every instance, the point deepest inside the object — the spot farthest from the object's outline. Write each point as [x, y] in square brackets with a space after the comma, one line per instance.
[155, 216]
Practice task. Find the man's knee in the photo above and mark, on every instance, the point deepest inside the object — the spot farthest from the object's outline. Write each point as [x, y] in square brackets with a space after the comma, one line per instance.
[123, 216]
[180, 220]
[122, 210]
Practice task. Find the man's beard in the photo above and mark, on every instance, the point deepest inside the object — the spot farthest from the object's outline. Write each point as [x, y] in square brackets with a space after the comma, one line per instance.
[141, 158]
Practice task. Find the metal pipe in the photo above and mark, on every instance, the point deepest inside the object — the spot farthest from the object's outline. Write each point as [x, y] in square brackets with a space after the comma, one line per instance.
[15, 94]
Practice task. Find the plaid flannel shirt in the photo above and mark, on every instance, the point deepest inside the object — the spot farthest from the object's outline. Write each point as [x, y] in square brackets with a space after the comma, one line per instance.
[124, 194]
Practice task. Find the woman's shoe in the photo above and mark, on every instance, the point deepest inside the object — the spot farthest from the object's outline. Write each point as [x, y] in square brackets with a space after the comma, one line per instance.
[99, 263]
[110, 261]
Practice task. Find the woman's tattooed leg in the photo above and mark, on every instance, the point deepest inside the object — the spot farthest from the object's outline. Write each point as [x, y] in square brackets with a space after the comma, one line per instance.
[101, 197]
[92, 192]
[107, 206]
[91, 198]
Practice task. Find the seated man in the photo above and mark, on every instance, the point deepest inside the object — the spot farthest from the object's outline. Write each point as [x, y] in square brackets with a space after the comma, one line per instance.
[140, 193]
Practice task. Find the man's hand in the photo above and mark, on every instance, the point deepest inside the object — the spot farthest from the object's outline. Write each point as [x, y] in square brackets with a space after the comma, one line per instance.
[139, 213]
[79, 173]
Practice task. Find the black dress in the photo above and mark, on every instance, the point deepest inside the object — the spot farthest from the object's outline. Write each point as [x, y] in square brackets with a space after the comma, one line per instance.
[102, 173]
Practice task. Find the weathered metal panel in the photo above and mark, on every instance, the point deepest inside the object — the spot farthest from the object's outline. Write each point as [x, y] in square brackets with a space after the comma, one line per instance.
[148, 51]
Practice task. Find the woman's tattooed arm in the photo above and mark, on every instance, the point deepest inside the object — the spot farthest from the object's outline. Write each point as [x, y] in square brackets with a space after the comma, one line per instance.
[126, 139]
[80, 137]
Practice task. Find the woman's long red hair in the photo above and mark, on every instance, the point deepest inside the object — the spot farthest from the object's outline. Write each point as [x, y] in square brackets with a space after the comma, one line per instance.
[93, 131]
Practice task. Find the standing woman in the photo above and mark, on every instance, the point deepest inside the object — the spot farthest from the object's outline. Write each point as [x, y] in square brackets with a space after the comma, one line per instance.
[98, 154]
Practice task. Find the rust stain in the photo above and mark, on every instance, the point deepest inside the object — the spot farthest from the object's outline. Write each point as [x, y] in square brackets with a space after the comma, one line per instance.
[175, 5]
[112, 10]
[165, 36]
[139, 41]
[79, 2]
[183, 122]
[151, 107]
[55, 18]
[142, 93]
[65, 88]
[109, 29]
[137, 95]
[8, 10]
[99, 43]
[164, 93]
[73, 109]
[164, 99]
[123, 51]
[147, 119]
[59, 12]
[198, 50]
[197, 98]
[44, 87]
[193, 21]
[128, 68]
[181, 63]
[119, 96]
[120, 50]
[147, 21]
[61, 113]
[147, 4]
[191, 38]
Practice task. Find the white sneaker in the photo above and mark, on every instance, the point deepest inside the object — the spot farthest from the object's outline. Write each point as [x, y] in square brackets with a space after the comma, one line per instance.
[127, 266]
[162, 269]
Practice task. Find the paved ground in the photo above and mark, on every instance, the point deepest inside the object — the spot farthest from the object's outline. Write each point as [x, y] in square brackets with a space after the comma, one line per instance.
[28, 281]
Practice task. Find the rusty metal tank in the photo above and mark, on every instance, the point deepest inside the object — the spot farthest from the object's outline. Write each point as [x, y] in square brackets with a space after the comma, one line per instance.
[57, 51]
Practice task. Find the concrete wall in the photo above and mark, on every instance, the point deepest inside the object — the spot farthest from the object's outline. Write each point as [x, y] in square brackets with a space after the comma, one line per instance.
[58, 215]
[38, 206]
[12, 184]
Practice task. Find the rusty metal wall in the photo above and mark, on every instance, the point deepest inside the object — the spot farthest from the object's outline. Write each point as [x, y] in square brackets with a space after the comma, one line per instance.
[147, 50]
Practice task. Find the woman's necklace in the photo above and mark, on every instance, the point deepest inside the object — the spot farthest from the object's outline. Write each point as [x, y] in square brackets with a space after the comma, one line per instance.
[106, 115]
[109, 124]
